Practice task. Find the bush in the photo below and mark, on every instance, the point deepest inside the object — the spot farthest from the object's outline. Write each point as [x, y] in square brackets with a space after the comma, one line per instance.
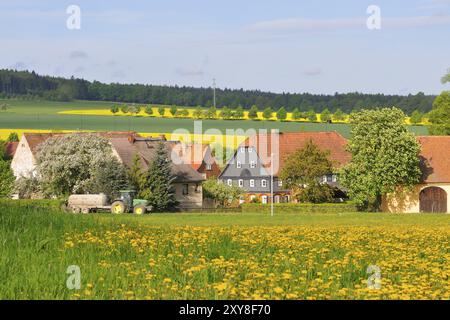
[301, 207]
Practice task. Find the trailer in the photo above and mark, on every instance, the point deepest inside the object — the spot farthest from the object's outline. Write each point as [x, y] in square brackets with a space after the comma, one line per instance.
[126, 203]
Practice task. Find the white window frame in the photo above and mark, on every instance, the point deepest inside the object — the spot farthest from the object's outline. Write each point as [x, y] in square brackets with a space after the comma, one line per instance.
[250, 149]
[240, 183]
[334, 178]
[264, 183]
[242, 149]
[252, 183]
[238, 164]
[264, 199]
[280, 183]
[253, 164]
[229, 182]
[209, 166]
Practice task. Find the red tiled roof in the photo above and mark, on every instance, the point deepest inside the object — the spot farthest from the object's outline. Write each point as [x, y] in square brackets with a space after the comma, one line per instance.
[35, 139]
[435, 158]
[11, 148]
[290, 142]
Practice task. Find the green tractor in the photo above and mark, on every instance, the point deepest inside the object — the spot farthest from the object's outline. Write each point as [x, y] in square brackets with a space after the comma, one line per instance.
[127, 203]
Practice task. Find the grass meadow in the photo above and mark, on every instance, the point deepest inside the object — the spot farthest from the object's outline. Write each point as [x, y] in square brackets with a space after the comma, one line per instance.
[223, 256]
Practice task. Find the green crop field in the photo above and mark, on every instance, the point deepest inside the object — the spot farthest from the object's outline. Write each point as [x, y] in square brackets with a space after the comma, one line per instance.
[43, 115]
[221, 256]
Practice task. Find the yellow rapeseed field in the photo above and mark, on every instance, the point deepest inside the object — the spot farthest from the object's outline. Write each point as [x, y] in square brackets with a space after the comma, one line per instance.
[264, 262]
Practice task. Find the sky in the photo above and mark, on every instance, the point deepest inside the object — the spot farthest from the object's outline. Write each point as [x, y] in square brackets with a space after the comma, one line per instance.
[316, 46]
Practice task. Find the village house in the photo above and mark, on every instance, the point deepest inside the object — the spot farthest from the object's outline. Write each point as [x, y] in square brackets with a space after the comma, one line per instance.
[188, 177]
[249, 168]
[432, 194]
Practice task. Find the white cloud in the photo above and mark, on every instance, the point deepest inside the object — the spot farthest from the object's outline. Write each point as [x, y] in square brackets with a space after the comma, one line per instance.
[301, 24]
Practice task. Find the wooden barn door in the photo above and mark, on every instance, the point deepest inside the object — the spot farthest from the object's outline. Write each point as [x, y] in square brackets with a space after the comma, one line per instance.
[433, 199]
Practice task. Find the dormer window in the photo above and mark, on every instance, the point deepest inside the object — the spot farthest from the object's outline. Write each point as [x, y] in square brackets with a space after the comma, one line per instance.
[208, 166]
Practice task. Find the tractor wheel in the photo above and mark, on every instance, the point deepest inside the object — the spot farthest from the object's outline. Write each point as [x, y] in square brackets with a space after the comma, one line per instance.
[118, 207]
[75, 210]
[139, 209]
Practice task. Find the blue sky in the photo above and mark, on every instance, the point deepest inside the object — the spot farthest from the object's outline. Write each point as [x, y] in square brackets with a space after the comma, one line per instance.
[312, 46]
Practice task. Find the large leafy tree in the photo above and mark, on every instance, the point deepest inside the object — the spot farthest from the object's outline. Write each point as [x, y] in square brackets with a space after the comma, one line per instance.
[439, 117]
[302, 174]
[79, 163]
[253, 112]
[6, 179]
[157, 185]
[221, 193]
[385, 156]
[446, 78]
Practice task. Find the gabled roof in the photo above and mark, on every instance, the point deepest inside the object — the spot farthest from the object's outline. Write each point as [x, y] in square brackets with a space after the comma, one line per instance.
[435, 158]
[194, 154]
[35, 139]
[289, 142]
[145, 149]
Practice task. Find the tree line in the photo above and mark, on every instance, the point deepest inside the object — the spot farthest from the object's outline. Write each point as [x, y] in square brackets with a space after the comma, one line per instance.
[31, 85]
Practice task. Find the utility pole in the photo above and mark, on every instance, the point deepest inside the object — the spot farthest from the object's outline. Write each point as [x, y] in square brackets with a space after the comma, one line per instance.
[214, 92]
[271, 184]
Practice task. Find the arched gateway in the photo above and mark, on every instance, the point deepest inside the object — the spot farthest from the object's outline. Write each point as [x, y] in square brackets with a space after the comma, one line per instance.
[433, 199]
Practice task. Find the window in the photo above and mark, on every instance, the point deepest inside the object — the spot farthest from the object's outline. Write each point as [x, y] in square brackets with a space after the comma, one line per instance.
[280, 183]
[238, 164]
[252, 164]
[264, 199]
[329, 178]
[241, 183]
[252, 183]
[242, 149]
[334, 178]
[324, 179]
[230, 182]
[185, 189]
[250, 149]
[208, 166]
[263, 183]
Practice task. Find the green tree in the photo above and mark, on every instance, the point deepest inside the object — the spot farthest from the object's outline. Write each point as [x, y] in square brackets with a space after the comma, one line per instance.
[198, 113]
[13, 137]
[339, 115]
[281, 114]
[303, 171]
[253, 112]
[223, 195]
[267, 113]
[149, 110]
[135, 110]
[312, 116]
[157, 186]
[238, 113]
[439, 116]
[114, 109]
[325, 116]
[125, 109]
[6, 179]
[225, 113]
[296, 114]
[416, 117]
[135, 176]
[211, 113]
[161, 111]
[173, 110]
[446, 78]
[385, 156]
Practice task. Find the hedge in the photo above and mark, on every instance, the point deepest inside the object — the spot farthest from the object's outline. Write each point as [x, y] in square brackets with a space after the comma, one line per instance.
[301, 207]
[54, 205]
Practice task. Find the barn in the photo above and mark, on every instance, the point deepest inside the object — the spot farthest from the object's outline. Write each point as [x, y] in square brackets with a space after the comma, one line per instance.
[432, 194]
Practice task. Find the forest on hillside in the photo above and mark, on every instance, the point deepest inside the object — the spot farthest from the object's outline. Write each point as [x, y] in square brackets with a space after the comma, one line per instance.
[30, 85]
